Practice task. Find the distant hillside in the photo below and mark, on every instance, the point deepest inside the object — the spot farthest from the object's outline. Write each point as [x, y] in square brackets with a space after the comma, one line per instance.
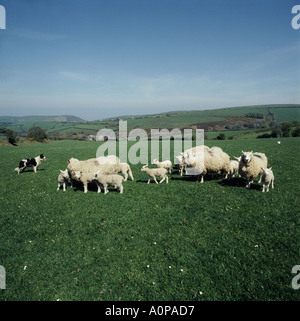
[227, 120]
[36, 118]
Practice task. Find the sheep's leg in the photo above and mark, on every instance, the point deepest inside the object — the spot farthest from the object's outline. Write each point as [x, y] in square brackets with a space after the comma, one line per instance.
[272, 183]
[99, 187]
[149, 178]
[85, 189]
[164, 177]
[64, 187]
[155, 179]
[58, 186]
[167, 179]
[131, 176]
[105, 189]
[263, 188]
[121, 189]
[125, 176]
[202, 179]
[260, 178]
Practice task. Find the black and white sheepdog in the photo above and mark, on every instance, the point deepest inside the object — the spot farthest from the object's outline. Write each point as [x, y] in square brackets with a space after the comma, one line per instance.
[33, 162]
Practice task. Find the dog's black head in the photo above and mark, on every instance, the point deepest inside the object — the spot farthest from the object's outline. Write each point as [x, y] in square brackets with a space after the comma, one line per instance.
[43, 157]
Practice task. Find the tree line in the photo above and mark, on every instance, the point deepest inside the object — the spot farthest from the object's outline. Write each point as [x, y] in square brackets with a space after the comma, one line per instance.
[35, 133]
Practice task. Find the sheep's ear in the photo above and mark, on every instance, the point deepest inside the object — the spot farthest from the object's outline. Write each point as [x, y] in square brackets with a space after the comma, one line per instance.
[80, 172]
[61, 171]
[270, 168]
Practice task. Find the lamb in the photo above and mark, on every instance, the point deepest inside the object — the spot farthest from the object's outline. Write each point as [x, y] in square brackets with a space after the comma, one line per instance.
[215, 160]
[250, 166]
[91, 166]
[125, 169]
[181, 166]
[165, 164]
[153, 172]
[106, 180]
[267, 178]
[84, 178]
[30, 162]
[234, 167]
[63, 179]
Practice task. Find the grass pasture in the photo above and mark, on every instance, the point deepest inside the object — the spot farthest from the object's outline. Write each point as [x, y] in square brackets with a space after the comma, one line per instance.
[178, 241]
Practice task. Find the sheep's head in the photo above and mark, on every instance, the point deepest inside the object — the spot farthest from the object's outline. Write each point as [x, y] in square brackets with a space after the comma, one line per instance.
[267, 171]
[76, 174]
[155, 161]
[95, 175]
[72, 160]
[246, 156]
[65, 173]
[144, 167]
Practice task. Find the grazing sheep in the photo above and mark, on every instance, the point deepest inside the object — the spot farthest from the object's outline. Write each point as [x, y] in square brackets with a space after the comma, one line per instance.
[267, 178]
[153, 172]
[165, 164]
[84, 178]
[215, 160]
[251, 165]
[106, 180]
[63, 179]
[30, 162]
[125, 169]
[92, 166]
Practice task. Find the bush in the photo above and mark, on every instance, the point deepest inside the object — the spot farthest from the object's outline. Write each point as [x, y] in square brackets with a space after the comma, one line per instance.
[296, 132]
[11, 136]
[264, 135]
[221, 136]
[37, 133]
[285, 129]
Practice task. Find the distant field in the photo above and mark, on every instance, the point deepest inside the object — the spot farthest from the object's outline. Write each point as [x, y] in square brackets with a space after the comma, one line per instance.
[178, 241]
[175, 119]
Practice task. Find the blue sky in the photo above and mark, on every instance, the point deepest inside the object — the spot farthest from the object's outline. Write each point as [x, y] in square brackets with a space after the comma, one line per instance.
[102, 58]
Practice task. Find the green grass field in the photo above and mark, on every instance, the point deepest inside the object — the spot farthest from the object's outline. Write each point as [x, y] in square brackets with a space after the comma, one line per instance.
[178, 241]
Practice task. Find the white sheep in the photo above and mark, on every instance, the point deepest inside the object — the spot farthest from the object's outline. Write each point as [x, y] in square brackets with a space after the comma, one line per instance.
[167, 164]
[125, 169]
[154, 172]
[63, 179]
[106, 180]
[251, 165]
[214, 160]
[84, 178]
[267, 178]
[91, 166]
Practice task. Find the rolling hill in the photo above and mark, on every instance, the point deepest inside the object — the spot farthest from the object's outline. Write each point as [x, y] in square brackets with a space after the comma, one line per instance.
[239, 120]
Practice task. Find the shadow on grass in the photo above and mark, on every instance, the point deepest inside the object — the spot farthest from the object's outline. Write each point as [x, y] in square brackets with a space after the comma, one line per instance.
[238, 182]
